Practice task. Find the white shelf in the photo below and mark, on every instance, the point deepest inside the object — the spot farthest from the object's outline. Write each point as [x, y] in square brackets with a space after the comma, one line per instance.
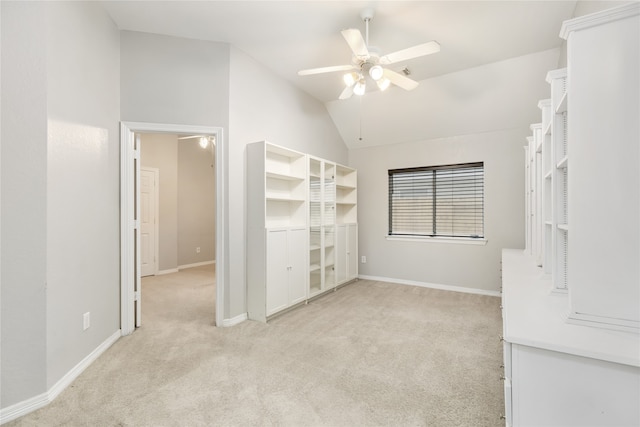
[547, 131]
[314, 267]
[283, 198]
[314, 247]
[563, 227]
[285, 177]
[549, 223]
[548, 175]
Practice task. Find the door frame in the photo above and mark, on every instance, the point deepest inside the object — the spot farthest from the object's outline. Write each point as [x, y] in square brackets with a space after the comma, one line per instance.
[156, 224]
[128, 267]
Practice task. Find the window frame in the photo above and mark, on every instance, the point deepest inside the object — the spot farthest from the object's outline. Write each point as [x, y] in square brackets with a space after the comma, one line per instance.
[435, 237]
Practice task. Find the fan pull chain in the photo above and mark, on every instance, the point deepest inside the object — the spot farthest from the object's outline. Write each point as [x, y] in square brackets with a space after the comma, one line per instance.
[360, 130]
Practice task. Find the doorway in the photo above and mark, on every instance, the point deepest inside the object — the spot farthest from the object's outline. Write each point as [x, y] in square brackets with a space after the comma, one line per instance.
[131, 224]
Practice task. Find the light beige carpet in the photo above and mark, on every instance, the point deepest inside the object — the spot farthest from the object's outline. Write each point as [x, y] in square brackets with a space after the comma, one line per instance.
[369, 354]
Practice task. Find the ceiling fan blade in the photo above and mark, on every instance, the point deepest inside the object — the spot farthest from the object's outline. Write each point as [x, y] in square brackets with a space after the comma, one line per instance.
[400, 80]
[325, 70]
[347, 92]
[356, 43]
[411, 52]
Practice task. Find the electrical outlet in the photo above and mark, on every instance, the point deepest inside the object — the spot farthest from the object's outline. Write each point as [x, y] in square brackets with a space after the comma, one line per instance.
[86, 320]
[198, 250]
[363, 259]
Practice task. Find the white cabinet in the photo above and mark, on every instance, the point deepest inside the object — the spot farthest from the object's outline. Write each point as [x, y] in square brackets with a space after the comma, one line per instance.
[276, 229]
[346, 253]
[603, 56]
[285, 270]
[557, 373]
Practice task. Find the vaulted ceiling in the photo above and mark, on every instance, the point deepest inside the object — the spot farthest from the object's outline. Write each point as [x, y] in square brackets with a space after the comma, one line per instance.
[287, 36]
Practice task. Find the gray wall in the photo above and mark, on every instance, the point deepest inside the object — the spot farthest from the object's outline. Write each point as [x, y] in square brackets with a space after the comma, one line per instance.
[161, 151]
[60, 194]
[462, 265]
[196, 203]
[24, 202]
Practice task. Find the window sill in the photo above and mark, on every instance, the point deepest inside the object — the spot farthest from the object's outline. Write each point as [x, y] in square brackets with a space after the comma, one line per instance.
[428, 239]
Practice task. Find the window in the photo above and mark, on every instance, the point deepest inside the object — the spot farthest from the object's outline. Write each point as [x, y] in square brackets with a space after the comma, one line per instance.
[446, 201]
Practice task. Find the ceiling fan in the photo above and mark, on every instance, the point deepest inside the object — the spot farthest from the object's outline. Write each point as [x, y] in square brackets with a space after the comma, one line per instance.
[367, 60]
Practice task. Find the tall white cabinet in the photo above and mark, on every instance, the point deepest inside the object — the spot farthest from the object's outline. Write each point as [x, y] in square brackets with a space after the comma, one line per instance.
[572, 325]
[301, 228]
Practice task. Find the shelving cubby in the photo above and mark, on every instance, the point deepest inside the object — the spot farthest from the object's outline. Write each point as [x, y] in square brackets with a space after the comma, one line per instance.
[559, 178]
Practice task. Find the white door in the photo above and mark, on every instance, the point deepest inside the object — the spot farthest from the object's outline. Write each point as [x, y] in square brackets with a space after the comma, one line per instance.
[148, 214]
[296, 247]
[352, 251]
[341, 254]
[277, 271]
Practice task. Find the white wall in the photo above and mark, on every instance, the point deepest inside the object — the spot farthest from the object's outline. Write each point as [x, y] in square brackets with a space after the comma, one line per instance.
[469, 266]
[24, 207]
[60, 218]
[83, 172]
[263, 106]
[161, 151]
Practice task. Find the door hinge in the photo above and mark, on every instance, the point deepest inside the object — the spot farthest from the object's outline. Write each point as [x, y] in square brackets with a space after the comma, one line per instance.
[136, 154]
[136, 296]
[136, 224]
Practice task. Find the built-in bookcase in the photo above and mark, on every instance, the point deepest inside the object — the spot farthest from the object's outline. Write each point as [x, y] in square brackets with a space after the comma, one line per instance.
[285, 192]
[322, 220]
[346, 195]
[546, 186]
[559, 178]
[295, 250]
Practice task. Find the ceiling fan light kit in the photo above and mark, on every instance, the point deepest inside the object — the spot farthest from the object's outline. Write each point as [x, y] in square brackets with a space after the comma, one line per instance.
[367, 60]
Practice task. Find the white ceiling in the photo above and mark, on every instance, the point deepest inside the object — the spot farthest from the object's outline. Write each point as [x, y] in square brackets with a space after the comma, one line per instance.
[287, 36]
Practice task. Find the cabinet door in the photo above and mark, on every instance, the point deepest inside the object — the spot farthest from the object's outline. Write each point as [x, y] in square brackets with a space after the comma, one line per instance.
[352, 251]
[277, 271]
[297, 251]
[341, 254]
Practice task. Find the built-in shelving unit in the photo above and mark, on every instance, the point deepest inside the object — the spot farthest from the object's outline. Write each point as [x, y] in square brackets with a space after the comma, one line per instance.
[295, 250]
[558, 200]
[571, 339]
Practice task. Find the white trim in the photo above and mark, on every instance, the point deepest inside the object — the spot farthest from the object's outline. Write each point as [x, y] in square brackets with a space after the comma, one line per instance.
[196, 264]
[599, 18]
[433, 286]
[75, 372]
[436, 239]
[168, 271]
[23, 408]
[235, 320]
[34, 403]
[156, 224]
[603, 322]
[127, 269]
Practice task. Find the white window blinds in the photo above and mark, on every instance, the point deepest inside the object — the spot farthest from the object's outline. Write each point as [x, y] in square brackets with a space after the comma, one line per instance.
[445, 201]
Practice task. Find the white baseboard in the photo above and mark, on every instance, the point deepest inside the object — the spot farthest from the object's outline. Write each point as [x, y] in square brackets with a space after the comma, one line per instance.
[235, 320]
[26, 406]
[167, 271]
[433, 285]
[23, 408]
[196, 264]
